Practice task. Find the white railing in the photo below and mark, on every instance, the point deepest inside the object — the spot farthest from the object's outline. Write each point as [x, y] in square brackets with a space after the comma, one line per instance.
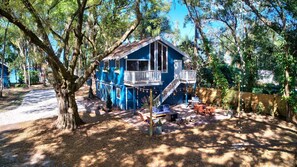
[166, 92]
[188, 75]
[134, 77]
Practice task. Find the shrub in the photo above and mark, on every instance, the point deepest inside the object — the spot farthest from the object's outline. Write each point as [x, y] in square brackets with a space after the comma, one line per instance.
[260, 108]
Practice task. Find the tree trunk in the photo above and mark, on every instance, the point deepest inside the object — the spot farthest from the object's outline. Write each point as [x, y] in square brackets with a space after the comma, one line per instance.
[287, 94]
[287, 85]
[68, 117]
[25, 74]
[29, 76]
[2, 59]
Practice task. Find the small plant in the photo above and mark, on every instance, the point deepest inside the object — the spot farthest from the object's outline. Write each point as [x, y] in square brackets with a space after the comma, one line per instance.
[108, 103]
[260, 108]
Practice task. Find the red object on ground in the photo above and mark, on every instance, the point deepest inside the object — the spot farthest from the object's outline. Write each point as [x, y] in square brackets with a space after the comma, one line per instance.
[200, 108]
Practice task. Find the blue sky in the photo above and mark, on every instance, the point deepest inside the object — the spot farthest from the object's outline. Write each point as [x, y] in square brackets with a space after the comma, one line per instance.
[177, 13]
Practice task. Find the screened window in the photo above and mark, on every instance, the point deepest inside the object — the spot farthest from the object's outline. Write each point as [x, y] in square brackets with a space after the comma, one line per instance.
[137, 65]
[152, 60]
[159, 56]
[106, 65]
[164, 58]
[159, 52]
[117, 65]
[143, 65]
[132, 65]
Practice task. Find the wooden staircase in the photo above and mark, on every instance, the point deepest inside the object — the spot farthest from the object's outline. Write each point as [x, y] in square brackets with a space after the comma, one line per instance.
[166, 92]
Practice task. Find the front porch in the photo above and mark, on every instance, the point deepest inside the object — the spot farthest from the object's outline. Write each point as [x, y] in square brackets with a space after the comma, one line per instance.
[142, 78]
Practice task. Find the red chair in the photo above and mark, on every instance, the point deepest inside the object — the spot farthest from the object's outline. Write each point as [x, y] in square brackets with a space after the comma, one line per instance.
[200, 108]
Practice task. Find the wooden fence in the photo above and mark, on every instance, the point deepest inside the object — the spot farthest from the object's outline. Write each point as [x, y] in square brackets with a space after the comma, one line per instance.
[268, 104]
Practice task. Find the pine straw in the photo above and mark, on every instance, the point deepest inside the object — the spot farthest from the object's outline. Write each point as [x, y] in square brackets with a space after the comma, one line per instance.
[109, 141]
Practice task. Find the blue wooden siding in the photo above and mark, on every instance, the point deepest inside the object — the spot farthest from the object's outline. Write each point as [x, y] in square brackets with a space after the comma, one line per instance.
[142, 53]
[172, 55]
[5, 75]
[132, 97]
[13, 76]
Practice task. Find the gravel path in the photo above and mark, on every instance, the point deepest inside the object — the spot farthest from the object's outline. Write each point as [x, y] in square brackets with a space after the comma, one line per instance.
[36, 104]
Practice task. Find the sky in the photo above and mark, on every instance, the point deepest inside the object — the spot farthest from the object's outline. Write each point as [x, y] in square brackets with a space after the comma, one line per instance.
[177, 13]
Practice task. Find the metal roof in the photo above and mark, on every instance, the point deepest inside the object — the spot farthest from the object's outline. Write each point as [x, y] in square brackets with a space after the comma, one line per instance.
[126, 49]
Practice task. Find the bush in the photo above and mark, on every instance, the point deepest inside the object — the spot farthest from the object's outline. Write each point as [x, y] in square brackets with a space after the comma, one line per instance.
[34, 77]
[260, 108]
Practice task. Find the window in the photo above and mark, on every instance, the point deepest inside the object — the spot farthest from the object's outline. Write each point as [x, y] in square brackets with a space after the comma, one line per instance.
[137, 65]
[152, 60]
[106, 65]
[118, 92]
[143, 65]
[132, 65]
[117, 65]
[158, 57]
[164, 58]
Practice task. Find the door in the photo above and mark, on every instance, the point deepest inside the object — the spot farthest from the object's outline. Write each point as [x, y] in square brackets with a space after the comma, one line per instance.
[177, 68]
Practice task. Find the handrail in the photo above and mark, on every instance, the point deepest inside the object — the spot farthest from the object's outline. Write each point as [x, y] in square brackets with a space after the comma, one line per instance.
[188, 75]
[142, 76]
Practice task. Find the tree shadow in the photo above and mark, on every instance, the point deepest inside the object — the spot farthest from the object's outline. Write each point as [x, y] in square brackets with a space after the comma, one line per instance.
[106, 140]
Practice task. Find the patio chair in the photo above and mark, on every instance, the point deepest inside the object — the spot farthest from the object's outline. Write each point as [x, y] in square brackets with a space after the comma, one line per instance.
[200, 108]
[162, 110]
[210, 110]
[146, 119]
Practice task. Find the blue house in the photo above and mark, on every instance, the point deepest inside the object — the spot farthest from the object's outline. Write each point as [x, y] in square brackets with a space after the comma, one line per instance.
[5, 75]
[133, 69]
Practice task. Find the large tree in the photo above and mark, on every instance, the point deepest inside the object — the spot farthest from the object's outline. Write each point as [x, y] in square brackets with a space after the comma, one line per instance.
[59, 29]
[281, 17]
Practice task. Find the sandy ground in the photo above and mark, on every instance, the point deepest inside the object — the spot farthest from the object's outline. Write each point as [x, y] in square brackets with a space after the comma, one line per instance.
[36, 104]
[117, 139]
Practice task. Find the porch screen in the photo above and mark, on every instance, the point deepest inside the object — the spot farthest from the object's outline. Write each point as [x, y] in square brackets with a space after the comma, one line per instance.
[137, 65]
[159, 57]
[132, 65]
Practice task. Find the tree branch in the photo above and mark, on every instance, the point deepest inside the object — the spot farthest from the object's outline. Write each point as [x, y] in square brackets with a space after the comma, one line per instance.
[35, 39]
[78, 34]
[262, 18]
[81, 80]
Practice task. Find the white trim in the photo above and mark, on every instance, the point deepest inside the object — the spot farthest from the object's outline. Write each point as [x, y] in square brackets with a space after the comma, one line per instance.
[145, 44]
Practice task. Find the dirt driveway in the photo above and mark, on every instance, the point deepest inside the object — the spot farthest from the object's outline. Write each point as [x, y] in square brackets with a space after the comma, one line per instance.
[36, 104]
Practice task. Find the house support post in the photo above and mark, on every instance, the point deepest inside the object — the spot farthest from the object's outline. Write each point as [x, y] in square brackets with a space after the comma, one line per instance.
[151, 112]
[161, 97]
[186, 93]
[134, 101]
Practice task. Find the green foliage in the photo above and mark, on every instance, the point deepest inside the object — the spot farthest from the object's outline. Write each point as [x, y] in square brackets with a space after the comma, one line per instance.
[154, 21]
[34, 77]
[260, 108]
[220, 80]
